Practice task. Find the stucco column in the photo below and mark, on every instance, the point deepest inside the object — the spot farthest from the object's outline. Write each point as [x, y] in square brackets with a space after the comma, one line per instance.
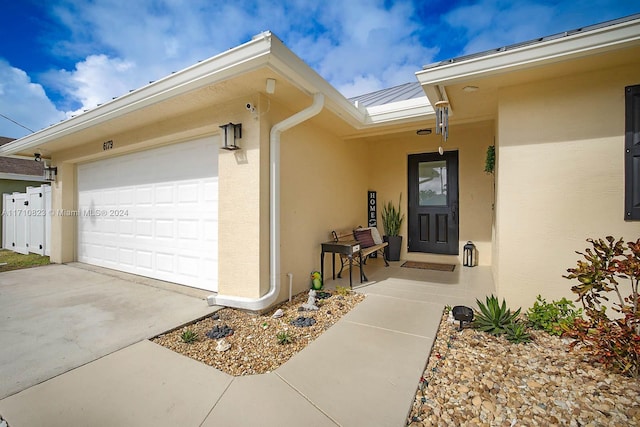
[63, 214]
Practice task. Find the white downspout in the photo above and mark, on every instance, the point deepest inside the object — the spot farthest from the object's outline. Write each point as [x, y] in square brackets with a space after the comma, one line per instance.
[265, 301]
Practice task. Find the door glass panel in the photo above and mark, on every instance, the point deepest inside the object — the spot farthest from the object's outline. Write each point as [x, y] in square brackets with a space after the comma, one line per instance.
[432, 183]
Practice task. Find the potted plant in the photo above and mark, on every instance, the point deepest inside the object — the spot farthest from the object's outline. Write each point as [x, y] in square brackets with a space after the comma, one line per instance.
[392, 218]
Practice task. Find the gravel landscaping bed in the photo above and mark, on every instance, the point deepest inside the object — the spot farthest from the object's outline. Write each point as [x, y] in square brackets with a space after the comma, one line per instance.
[255, 348]
[473, 378]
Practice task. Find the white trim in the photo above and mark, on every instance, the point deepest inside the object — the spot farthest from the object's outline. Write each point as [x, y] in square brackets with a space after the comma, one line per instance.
[21, 177]
[546, 52]
[400, 111]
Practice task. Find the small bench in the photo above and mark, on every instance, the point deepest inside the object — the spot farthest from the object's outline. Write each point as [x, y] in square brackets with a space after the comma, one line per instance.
[365, 252]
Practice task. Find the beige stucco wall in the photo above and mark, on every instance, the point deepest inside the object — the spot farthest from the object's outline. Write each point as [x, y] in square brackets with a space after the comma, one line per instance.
[323, 187]
[387, 174]
[560, 178]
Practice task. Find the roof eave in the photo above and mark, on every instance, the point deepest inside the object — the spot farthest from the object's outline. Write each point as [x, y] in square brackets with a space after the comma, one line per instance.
[243, 58]
[547, 52]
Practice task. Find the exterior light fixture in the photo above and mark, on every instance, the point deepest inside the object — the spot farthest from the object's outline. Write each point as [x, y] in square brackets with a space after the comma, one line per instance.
[462, 314]
[36, 157]
[50, 172]
[469, 255]
[423, 131]
[232, 132]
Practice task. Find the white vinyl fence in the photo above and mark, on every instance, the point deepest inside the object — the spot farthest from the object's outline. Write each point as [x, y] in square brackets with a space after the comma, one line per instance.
[26, 221]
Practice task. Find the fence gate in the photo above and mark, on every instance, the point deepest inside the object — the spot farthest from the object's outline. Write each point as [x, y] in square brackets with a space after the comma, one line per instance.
[26, 221]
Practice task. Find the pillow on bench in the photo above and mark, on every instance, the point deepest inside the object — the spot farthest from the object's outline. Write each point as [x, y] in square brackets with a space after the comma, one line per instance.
[374, 234]
[363, 236]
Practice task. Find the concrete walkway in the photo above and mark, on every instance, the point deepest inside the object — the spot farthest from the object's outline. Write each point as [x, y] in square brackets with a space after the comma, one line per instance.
[362, 372]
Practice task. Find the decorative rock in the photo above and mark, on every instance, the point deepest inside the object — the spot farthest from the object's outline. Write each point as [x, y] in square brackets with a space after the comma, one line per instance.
[278, 313]
[223, 345]
[215, 316]
[463, 389]
[323, 295]
[303, 322]
[533, 384]
[219, 332]
[477, 401]
[489, 406]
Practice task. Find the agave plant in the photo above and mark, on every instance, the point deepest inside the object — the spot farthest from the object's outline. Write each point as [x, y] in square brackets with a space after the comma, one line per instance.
[493, 317]
[516, 333]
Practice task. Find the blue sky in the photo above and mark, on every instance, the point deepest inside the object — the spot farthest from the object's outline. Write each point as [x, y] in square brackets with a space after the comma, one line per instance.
[58, 57]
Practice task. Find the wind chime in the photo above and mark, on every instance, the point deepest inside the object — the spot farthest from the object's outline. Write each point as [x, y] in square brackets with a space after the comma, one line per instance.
[442, 122]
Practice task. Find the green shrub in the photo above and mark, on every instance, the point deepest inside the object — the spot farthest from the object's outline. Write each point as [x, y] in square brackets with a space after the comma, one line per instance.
[284, 338]
[189, 336]
[516, 333]
[493, 317]
[553, 318]
[613, 342]
[342, 290]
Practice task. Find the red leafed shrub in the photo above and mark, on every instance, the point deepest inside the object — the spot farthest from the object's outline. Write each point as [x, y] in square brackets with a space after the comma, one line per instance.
[614, 342]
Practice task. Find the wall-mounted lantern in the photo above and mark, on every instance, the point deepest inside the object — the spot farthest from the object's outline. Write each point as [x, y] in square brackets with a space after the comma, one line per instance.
[232, 132]
[50, 172]
[469, 255]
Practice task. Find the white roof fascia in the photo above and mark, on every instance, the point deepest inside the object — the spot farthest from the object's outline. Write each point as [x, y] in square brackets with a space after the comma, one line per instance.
[546, 52]
[286, 63]
[20, 177]
[402, 110]
[243, 58]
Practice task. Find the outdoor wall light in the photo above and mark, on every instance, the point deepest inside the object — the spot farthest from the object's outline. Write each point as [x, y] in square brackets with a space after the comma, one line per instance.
[232, 132]
[424, 131]
[469, 255]
[50, 172]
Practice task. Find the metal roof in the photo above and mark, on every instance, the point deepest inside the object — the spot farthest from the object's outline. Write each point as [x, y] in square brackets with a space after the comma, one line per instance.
[534, 41]
[393, 94]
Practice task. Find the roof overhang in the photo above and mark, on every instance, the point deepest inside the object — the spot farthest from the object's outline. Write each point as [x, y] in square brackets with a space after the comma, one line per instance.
[265, 51]
[568, 47]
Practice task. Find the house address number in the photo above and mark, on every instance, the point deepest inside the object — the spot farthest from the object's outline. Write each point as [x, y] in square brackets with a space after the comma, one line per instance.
[108, 145]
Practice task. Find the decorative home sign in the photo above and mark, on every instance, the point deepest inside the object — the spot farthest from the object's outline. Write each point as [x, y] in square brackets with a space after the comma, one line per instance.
[372, 215]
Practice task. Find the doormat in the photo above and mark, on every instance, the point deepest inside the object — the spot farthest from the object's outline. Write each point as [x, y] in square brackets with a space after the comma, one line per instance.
[429, 266]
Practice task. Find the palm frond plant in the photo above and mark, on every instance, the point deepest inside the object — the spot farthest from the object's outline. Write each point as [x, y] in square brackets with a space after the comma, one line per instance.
[494, 317]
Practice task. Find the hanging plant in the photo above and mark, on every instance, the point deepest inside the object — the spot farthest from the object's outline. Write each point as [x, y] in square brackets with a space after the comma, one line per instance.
[490, 162]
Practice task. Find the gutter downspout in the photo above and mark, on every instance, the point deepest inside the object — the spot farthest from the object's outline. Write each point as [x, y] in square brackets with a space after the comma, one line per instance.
[265, 301]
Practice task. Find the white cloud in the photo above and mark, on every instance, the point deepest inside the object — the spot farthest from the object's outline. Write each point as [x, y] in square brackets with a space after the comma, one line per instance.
[25, 102]
[358, 46]
[95, 80]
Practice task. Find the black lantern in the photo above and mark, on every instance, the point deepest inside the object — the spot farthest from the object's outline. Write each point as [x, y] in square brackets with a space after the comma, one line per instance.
[232, 132]
[50, 172]
[469, 255]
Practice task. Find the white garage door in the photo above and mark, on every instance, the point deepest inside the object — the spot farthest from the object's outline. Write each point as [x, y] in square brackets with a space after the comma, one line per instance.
[153, 213]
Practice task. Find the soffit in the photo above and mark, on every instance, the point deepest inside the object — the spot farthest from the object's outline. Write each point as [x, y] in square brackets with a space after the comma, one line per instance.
[482, 103]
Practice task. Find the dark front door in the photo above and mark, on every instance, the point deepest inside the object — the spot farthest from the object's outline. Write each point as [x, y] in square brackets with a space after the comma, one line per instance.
[433, 203]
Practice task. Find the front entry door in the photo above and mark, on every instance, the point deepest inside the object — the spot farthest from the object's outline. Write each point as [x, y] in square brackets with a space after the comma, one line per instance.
[433, 203]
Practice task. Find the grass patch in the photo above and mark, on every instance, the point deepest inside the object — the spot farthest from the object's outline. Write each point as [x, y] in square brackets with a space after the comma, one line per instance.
[10, 260]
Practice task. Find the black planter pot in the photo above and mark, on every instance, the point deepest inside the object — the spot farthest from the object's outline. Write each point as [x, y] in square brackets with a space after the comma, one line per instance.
[393, 250]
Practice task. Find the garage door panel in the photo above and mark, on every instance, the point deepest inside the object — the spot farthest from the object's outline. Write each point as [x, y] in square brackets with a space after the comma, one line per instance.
[170, 204]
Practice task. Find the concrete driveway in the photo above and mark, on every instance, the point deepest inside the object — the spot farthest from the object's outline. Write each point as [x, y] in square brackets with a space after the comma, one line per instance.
[58, 317]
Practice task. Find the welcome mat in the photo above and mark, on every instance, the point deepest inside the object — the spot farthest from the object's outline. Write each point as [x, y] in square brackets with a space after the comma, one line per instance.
[429, 266]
